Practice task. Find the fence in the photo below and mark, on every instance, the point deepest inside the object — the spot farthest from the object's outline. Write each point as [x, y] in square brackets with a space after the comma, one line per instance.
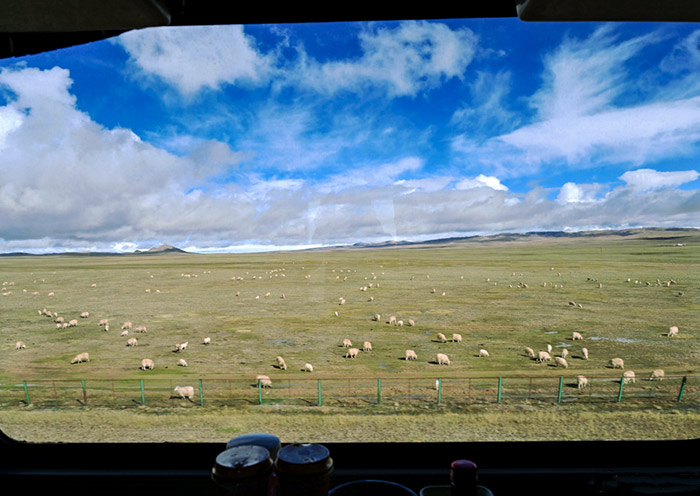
[452, 391]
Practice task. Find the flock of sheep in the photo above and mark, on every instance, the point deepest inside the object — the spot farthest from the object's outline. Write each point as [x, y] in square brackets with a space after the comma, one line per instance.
[351, 352]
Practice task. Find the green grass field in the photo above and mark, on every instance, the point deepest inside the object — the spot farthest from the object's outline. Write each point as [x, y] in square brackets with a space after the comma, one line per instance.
[476, 289]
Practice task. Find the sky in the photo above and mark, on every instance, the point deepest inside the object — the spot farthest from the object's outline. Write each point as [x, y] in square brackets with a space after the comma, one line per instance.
[252, 138]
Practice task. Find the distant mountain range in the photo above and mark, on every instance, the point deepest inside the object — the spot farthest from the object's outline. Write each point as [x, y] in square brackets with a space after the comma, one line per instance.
[671, 234]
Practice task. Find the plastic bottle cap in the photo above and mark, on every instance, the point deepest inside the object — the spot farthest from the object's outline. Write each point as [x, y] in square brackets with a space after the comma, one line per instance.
[272, 443]
[463, 472]
[241, 462]
[304, 459]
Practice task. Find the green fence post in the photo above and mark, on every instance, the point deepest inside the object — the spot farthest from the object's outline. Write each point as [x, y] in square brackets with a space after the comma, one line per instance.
[561, 386]
[439, 388]
[320, 402]
[26, 392]
[260, 391]
[379, 391]
[500, 388]
[201, 393]
[622, 386]
[143, 394]
[680, 393]
[84, 390]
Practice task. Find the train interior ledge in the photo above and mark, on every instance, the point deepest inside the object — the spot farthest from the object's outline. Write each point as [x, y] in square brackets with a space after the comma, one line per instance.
[506, 468]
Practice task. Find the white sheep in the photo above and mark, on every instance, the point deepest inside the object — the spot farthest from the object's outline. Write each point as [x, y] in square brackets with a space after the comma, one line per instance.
[561, 362]
[657, 375]
[672, 331]
[81, 357]
[206, 340]
[441, 337]
[366, 346]
[126, 325]
[584, 352]
[581, 381]
[456, 338]
[530, 352]
[84, 315]
[483, 353]
[182, 363]
[141, 329]
[411, 355]
[564, 353]
[185, 392]
[411, 322]
[308, 367]
[124, 333]
[377, 317]
[549, 348]
[264, 381]
[347, 343]
[103, 322]
[60, 320]
[352, 353]
[281, 363]
[442, 359]
[147, 363]
[392, 319]
[616, 363]
[628, 376]
[72, 323]
[576, 336]
[132, 342]
[543, 356]
[20, 345]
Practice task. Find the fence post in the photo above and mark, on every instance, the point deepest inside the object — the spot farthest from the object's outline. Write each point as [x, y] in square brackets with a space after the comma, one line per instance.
[439, 388]
[260, 391]
[500, 388]
[379, 391]
[320, 402]
[622, 386]
[680, 393]
[561, 385]
[26, 392]
[143, 394]
[201, 393]
[84, 390]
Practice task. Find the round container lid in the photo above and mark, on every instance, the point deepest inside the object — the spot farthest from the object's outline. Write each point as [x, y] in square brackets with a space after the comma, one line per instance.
[240, 462]
[463, 472]
[272, 443]
[303, 459]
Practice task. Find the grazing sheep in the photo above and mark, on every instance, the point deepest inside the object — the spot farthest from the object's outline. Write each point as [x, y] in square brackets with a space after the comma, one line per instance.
[399, 323]
[183, 346]
[126, 325]
[60, 320]
[549, 348]
[84, 315]
[657, 375]
[584, 352]
[281, 363]
[411, 322]
[581, 381]
[441, 337]
[124, 333]
[347, 343]
[411, 355]
[132, 342]
[367, 346]
[20, 345]
[442, 359]
[352, 353]
[73, 323]
[483, 353]
[263, 380]
[106, 327]
[147, 363]
[103, 322]
[530, 352]
[206, 341]
[672, 331]
[81, 357]
[308, 367]
[628, 376]
[182, 363]
[456, 338]
[576, 336]
[543, 356]
[564, 353]
[392, 319]
[377, 317]
[185, 392]
[616, 363]
[561, 362]
[141, 329]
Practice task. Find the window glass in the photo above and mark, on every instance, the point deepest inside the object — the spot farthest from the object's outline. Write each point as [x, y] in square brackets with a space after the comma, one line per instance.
[360, 231]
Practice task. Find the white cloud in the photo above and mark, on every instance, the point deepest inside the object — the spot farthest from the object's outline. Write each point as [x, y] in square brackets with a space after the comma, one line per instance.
[578, 193]
[195, 57]
[481, 181]
[649, 179]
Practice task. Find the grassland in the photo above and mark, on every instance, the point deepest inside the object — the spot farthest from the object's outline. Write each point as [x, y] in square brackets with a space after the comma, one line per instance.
[475, 288]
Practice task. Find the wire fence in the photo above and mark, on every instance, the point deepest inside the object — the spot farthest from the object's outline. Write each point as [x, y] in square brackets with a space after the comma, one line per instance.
[357, 391]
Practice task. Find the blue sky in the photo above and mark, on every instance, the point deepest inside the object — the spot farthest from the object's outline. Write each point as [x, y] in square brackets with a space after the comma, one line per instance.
[239, 138]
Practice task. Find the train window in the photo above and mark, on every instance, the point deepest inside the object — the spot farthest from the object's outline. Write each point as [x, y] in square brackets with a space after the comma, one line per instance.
[353, 232]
